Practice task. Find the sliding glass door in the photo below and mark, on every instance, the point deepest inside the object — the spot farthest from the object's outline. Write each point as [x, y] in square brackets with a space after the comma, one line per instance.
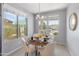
[14, 25]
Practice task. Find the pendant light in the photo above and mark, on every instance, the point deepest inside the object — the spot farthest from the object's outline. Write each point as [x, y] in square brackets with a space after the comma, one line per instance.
[38, 15]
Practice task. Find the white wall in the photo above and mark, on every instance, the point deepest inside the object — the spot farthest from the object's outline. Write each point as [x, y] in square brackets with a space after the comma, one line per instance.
[73, 36]
[30, 24]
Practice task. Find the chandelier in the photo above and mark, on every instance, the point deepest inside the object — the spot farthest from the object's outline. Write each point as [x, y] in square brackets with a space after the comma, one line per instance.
[38, 16]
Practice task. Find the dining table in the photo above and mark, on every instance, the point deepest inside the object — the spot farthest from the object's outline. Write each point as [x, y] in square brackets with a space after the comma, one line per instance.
[37, 43]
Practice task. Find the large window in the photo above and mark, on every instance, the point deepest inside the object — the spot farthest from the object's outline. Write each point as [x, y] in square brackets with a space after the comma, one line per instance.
[49, 25]
[53, 26]
[14, 26]
[10, 25]
[22, 28]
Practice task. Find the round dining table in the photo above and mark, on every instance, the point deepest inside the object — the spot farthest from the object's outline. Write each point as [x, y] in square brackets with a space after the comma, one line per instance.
[37, 43]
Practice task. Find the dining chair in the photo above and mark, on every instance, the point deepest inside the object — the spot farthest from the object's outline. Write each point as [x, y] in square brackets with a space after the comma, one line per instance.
[29, 49]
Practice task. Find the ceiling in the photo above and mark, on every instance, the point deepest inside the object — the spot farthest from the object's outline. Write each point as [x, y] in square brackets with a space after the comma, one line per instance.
[34, 7]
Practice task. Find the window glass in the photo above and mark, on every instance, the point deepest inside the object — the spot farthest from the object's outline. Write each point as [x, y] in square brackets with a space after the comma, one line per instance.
[50, 25]
[22, 26]
[43, 26]
[10, 25]
[53, 26]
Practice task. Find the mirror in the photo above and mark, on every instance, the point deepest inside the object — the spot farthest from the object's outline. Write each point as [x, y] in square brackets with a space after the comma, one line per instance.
[73, 21]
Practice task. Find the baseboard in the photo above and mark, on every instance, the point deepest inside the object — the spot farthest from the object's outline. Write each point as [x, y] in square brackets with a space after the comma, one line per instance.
[58, 43]
[7, 54]
[70, 52]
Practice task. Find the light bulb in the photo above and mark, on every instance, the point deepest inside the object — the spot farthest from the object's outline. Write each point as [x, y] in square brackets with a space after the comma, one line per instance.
[37, 16]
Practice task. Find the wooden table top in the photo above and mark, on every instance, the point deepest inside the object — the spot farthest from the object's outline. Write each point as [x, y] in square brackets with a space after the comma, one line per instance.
[38, 43]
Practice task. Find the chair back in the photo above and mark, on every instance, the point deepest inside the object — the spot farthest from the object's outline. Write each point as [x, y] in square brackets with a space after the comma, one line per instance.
[25, 40]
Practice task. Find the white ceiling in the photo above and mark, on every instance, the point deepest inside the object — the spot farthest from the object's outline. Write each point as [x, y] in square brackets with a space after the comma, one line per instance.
[34, 7]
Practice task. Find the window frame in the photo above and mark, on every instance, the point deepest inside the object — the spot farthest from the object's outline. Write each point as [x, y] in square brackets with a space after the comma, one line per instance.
[6, 10]
[17, 14]
[47, 20]
[26, 24]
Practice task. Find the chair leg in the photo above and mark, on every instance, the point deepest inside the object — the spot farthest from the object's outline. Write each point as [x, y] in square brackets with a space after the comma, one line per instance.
[38, 53]
[26, 53]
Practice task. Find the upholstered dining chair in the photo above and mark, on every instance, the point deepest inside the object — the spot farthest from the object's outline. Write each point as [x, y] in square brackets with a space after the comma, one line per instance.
[29, 49]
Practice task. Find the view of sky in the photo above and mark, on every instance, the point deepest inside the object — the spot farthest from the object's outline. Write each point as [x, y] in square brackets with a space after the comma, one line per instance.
[13, 17]
[53, 22]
